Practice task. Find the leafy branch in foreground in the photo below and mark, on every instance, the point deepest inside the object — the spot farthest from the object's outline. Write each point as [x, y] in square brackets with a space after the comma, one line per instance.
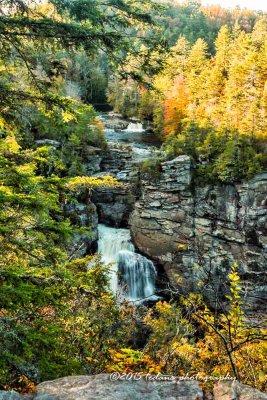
[188, 338]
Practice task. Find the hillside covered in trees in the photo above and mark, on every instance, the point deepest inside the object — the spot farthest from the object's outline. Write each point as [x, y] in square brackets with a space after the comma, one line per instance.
[196, 77]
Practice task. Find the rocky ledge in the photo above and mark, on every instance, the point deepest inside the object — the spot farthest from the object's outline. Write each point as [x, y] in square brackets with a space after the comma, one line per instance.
[181, 225]
[100, 387]
[116, 121]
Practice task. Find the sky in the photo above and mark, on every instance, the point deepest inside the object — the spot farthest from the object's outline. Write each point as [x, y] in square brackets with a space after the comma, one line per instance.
[252, 4]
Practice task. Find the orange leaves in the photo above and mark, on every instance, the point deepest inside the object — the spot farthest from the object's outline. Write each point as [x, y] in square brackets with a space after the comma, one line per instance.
[22, 385]
[175, 106]
[128, 360]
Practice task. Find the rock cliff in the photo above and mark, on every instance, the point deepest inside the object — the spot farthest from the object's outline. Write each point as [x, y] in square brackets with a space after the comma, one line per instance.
[181, 225]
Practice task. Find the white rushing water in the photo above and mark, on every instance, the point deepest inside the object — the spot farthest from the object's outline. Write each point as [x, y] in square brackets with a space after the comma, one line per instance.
[131, 274]
[134, 127]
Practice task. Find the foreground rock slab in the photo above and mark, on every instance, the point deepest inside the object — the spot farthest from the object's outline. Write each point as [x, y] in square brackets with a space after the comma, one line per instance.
[100, 387]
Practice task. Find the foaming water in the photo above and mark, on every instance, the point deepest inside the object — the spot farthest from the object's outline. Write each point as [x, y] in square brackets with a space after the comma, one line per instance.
[131, 274]
[137, 275]
[134, 127]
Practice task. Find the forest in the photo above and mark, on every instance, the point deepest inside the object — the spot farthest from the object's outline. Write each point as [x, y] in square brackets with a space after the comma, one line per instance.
[196, 78]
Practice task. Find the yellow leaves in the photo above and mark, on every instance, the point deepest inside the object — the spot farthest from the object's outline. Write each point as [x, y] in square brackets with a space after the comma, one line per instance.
[2, 121]
[128, 360]
[25, 385]
[163, 307]
[9, 145]
[47, 311]
[99, 124]
[26, 169]
[184, 349]
[262, 376]
[181, 247]
[79, 182]
[67, 116]
[92, 360]
[175, 107]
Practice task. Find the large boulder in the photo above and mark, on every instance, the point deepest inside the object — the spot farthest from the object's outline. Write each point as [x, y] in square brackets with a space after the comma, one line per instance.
[100, 387]
[9, 395]
[236, 391]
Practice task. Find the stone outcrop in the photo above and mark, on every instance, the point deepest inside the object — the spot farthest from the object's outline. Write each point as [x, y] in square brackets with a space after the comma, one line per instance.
[181, 225]
[115, 121]
[92, 158]
[114, 205]
[48, 142]
[82, 215]
[101, 387]
[117, 158]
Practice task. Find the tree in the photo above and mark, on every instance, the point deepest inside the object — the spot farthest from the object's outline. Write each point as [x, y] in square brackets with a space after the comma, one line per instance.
[43, 290]
[195, 339]
[230, 325]
[93, 26]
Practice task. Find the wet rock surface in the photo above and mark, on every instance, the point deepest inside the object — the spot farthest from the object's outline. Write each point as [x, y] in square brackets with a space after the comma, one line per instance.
[115, 121]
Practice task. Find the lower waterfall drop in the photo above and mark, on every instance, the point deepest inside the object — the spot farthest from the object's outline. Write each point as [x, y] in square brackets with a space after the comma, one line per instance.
[131, 273]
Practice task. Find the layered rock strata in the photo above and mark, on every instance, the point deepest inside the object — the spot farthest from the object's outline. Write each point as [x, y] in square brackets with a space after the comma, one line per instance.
[182, 226]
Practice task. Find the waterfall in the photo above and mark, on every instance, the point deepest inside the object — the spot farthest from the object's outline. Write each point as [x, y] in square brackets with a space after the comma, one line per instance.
[111, 242]
[131, 273]
[134, 127]
[136, 275]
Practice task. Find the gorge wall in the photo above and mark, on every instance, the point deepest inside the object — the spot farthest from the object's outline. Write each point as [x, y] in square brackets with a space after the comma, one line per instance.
[180, 225]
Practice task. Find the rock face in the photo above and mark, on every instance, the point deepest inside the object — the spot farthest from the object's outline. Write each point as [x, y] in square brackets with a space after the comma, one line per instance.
[92, 157]
[48, 142]
[82, 215]
[180, 225]
[114, 205]
[117, 158]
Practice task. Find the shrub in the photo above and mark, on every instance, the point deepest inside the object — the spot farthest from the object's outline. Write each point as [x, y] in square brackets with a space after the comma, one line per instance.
[151, 169]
